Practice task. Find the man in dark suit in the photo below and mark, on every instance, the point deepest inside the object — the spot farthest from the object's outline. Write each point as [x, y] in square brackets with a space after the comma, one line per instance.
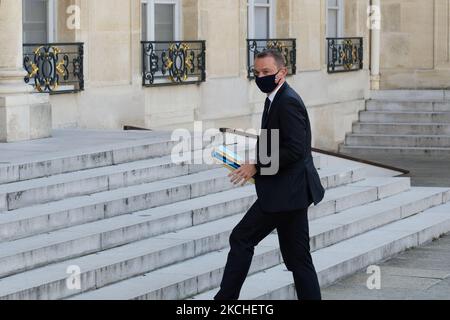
[284, 194]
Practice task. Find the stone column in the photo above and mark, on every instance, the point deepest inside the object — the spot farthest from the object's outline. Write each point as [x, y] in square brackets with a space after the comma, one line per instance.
[24, 114]
[375, 45]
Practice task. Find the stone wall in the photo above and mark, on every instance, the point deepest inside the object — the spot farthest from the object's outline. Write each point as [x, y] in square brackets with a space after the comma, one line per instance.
[115, 97]
[415, 44]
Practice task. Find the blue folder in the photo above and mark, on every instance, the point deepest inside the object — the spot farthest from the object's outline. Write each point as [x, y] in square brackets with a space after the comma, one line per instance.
[228, 159]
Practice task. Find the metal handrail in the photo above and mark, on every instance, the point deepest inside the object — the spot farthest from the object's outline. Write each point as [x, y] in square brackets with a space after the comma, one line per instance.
[327, 152]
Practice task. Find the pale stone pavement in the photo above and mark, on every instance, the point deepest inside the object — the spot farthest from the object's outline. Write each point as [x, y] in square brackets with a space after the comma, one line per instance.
[421, 273]
[425, 171]
[64, 141]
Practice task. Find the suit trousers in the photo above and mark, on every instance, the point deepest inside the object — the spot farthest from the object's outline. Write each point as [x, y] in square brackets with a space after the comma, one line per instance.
[293, 235]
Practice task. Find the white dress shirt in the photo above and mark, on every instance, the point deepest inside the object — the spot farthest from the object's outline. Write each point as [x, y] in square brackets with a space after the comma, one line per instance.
[272, 95]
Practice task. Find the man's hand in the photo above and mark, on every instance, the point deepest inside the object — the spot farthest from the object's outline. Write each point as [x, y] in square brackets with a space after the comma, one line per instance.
[243, 174]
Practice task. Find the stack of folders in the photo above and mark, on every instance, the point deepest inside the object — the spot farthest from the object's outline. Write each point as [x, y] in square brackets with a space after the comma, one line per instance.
[228, 159]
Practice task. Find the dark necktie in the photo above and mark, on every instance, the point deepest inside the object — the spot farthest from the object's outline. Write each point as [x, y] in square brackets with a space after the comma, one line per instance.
[266, 111]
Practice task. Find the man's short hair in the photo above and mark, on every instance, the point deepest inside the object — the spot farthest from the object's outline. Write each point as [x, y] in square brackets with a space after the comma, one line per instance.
[276, 54]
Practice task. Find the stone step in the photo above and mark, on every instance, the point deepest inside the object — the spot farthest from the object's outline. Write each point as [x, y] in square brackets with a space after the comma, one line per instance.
[404, 117]
[74, 211]
[357, 194]
[188, 280]
[130, 199]
[93, 157]
[362, 151]
[338, 175]
[411, 106]
[109, 266]
[347, 257]
[402, 128]
[121, 263]
[27, 253]
[411, 95]
[423, 141]
[85, 182]
[159, 218]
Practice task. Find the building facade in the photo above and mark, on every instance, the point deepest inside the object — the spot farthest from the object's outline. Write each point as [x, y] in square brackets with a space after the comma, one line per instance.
[415, 42]
[162, 64]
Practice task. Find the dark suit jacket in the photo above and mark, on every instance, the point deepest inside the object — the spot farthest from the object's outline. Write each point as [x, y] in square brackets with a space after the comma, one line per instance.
[297, 184]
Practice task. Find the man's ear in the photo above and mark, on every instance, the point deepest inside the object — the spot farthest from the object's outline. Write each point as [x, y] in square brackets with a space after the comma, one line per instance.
[283, 74]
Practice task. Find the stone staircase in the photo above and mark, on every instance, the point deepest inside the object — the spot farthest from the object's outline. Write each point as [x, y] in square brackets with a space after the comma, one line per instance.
[138, 226]
[405, 122]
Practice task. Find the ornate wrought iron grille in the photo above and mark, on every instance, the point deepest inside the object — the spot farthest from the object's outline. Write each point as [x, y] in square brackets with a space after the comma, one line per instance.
[345, 54]
[286, 46]
[54, 67]
[173, 62]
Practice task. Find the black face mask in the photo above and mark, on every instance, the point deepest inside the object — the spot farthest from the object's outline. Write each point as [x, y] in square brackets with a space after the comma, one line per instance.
[267, 84]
